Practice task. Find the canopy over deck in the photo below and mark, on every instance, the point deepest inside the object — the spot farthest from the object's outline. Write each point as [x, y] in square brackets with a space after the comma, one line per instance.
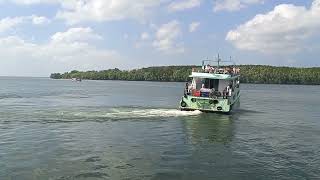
[212, 76]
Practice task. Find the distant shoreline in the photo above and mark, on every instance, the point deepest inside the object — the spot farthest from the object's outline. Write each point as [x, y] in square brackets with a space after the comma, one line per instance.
[251, 74]
[183, 82]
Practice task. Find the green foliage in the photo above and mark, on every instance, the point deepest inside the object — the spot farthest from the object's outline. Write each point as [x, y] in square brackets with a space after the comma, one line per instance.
[279, 75]
[56, 76]
[249, 74]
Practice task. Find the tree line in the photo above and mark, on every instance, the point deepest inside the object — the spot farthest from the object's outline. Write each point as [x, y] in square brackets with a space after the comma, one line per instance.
[258, 74]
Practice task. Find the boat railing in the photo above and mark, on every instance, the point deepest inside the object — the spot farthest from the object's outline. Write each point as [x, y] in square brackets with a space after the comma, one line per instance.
[233, 71]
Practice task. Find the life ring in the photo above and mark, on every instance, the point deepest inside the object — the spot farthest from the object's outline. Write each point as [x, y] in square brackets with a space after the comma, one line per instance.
[183, 104]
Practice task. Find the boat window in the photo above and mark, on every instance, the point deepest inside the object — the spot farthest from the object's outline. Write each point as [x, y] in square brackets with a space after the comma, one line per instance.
[223, 84]
[207, 83]
[214, 83]
[211, 83]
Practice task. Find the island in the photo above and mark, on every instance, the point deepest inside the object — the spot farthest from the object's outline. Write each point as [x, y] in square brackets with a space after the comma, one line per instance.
[255, 74]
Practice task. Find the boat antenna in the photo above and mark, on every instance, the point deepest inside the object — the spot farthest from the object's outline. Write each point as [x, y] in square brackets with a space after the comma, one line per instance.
[219, 60]
[232, 61]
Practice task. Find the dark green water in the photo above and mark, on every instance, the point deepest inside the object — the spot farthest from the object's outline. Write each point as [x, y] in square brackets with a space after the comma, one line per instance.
[59, 129]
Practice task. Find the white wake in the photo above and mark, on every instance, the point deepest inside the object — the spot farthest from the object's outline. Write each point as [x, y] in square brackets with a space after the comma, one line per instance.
[122, 113]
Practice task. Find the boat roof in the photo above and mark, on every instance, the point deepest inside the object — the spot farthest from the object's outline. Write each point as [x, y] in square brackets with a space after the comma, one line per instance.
[213, 76]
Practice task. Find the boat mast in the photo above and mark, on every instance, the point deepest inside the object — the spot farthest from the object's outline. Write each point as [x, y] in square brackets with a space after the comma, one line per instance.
[219, 60]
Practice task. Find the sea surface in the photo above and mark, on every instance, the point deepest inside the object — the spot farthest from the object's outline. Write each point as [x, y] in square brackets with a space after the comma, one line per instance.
[61, 130]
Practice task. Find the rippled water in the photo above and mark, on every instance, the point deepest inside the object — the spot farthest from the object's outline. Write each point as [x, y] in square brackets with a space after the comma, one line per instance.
[59, 129]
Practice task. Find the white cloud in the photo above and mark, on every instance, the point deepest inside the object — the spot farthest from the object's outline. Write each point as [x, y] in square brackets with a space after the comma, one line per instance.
[76, 11]
[65, 51]
[233, 5]
[284, 29]
[194, 26]
[183, 5]
[38, 20]
[167, 36]
[9, 23]
[75, 35]
[33, 2]
[106, 10]
[145, 36]
[27, 2]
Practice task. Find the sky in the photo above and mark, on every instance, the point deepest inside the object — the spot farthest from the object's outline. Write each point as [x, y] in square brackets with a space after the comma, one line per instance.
[38, 37]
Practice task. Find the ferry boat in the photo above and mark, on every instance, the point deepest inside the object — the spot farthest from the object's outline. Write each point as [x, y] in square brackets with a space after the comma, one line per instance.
[214, 88]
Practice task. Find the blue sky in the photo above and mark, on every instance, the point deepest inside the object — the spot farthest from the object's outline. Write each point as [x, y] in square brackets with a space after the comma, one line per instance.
[38, 37]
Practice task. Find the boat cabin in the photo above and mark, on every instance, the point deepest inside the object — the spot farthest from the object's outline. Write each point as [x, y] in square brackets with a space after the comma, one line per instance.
[212, 82]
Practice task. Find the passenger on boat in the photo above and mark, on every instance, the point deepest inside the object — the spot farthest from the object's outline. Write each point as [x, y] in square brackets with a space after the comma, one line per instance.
[203, 89]
[207, 68]
[226, 70]
[224, 93]
[227, 92]
[230, 91]
[237, 70]
[237, 83]
[212, 70]
[205, 92]
[220, 70]
[187, 88]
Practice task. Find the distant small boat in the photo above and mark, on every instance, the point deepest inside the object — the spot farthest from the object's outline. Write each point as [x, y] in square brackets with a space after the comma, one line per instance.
[76, 79]
[213, 88]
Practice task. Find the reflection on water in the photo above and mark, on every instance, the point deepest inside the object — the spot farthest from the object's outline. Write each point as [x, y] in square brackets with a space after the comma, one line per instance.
[210, 128]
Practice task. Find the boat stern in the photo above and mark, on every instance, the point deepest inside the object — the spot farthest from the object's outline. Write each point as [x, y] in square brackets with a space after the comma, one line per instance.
[191, 103]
